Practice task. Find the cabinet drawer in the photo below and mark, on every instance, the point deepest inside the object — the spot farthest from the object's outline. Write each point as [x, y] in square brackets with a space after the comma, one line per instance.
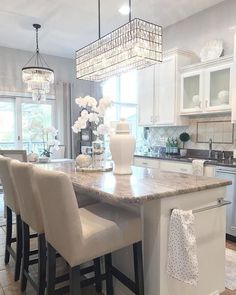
[174, 166]
[145, 162]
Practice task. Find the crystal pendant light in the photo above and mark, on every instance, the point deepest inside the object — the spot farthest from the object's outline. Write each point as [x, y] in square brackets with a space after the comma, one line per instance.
[135, 45]
[38, 76]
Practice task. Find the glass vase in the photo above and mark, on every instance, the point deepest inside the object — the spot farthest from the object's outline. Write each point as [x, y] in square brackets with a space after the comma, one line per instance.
[98, 154]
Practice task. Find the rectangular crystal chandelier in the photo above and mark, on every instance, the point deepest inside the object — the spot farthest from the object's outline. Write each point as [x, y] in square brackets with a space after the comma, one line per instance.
[135, 45]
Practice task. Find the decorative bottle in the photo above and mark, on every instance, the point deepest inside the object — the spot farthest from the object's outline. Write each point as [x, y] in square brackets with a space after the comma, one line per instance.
[122, 147]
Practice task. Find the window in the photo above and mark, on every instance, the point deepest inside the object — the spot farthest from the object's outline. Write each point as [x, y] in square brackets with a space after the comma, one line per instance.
[21, 123]
[123, 92]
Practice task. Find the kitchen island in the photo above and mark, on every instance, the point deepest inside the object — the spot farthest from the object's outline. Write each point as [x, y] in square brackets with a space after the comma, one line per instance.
[153, 194]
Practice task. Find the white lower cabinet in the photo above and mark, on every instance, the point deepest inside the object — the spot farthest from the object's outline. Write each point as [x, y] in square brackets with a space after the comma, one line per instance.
[145, 162]
[174, 166]
[171, 166]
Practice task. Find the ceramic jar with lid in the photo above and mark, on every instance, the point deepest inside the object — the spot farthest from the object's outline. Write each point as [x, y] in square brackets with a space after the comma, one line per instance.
[122, 147]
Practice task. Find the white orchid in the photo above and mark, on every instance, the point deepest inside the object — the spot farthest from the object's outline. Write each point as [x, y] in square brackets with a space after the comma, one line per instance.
[93, 117]
[91, 101]
[92, 112]
[102, 129]
[81, 102]
[85, 114]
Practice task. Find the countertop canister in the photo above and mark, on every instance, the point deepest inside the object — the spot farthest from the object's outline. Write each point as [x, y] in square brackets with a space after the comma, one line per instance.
[122, 147]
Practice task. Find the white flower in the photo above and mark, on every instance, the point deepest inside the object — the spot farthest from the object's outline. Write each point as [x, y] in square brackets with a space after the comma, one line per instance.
[91, 101]
[82, 102]
[80, 123]
[93, 117]
[51, 130]
[84, 114]
[104, 103]
[102, 129]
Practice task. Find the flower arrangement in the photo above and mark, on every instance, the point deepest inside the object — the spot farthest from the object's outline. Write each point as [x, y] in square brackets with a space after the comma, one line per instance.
[92, 112]
[49, 136]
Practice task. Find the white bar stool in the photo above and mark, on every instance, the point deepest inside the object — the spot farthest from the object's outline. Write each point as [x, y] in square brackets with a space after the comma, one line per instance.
[83, 234]
[31, 217]
[11, 203]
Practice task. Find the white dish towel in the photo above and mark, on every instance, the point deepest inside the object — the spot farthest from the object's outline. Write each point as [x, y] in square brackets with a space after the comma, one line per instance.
[182, 261]
[198, 167]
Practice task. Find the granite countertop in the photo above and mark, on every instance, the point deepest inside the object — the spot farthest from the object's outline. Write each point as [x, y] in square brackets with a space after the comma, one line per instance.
[225, 163]
[143, 185]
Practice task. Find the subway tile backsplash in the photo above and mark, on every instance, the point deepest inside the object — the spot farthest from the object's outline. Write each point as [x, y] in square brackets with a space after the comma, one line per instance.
[159, 135]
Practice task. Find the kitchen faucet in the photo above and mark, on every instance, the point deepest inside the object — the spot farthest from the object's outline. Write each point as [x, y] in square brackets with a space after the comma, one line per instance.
[210, 148]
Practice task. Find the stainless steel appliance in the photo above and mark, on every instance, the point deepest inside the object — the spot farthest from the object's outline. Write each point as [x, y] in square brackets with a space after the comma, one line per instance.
[229, 173]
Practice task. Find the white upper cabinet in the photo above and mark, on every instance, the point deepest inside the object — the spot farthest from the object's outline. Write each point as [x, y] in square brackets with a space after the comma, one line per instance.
[145, 91]
[205, 87]
[164, 106]
[159, 90]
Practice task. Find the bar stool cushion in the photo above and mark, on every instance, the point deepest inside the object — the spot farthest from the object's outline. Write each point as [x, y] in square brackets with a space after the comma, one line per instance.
[28, 195]
[80, 235]
[9, 187]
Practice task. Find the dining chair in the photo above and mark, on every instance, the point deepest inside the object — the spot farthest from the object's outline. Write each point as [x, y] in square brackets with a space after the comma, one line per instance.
[20, 155]
[83, 234]
[12, 205]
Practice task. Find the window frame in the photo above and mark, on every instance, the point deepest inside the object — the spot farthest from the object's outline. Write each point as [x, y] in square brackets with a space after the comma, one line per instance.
[18, 101]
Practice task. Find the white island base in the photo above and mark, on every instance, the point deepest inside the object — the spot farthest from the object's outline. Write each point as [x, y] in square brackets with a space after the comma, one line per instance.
[210, 230]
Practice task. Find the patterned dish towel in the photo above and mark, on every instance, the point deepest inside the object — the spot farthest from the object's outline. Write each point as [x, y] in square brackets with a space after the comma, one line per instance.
[182, 262]
[198, 167]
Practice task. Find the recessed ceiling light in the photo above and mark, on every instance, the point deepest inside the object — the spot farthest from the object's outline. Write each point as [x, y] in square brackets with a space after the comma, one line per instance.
[124, 10]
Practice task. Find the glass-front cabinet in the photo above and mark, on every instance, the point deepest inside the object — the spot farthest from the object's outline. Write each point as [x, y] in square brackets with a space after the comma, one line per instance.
[205, 87]
[218, 89]
[191, 92]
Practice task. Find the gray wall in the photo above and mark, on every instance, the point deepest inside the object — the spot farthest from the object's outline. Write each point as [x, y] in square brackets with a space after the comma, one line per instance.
[12, 61]
[193, 32]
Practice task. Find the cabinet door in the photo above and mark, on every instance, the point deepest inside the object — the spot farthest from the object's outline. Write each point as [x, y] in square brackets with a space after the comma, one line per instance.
[217, 88]
[165, 92]
[145, 92]
[192, 92]
[146, 162]
[174, 166]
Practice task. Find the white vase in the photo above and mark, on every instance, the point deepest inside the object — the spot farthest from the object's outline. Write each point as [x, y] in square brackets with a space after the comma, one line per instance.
[122, 147]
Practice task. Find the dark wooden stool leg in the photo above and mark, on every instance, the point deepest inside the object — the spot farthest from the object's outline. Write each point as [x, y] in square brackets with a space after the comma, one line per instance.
[41, 264]
[51, 269]
[18, 247]
[138, 268]
[109, 279]
[25, 258]
[75, 281]
[97, 267]
[8, 234]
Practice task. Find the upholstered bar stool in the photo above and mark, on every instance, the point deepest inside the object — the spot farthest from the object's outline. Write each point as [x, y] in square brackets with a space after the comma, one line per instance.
[82, 234]
[31, 219]
[11, 203]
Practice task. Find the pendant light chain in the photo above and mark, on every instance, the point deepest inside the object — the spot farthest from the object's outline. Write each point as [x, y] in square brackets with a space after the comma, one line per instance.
[37, 40]
[129, 10]
[99, 19]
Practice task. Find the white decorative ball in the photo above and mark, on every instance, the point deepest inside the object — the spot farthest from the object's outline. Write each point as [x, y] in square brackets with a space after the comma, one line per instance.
[83, 161]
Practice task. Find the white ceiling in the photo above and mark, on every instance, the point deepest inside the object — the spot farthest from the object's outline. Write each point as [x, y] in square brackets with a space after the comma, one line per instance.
[69, 25]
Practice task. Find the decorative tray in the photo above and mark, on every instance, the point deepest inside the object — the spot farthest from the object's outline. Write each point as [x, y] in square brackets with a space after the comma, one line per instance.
[94, 169]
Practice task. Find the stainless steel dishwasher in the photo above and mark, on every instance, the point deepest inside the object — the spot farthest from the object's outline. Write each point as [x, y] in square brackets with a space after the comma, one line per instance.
[229, 173]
